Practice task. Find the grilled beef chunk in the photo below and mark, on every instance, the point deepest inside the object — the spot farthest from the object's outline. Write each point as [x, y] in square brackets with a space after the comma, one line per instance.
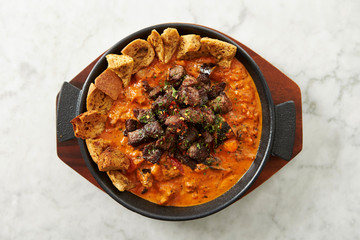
[204, 78]
[153, 130]
[192, 115]
[176, 74]
[131, 125]
[137, 137]
[155, 92]
[207, 138]
[175, 124]
[216, 90]
[188, 138]
[146, 86]
[151, 153]
[167, 142]
[144, 115]
[189, 81]
[185, 160]
[198, 151]
[209, 116]
[221, 104]
[222, 131]
[203, 94]
[189, 96]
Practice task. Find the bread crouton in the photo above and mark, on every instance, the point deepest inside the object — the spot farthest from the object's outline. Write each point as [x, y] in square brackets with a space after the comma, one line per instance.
[155, 40]
[89, 124]
[97, 100]
[171, 39]
[141, 52]
[113, 159]
[120, 181]
[223, 52]
[96, 147]
[122, 65]
[109, 83]
[188, 43]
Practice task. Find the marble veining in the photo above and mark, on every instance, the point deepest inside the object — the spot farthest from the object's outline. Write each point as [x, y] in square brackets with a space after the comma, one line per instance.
[316, 43]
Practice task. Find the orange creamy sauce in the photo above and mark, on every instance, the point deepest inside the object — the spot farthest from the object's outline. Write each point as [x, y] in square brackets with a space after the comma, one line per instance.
[203, 184]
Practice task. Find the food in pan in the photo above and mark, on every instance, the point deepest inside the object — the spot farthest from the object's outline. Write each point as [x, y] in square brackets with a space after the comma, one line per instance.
[174, 119]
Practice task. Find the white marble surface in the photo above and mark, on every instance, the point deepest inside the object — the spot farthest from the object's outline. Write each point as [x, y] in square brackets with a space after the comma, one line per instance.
[316, 43]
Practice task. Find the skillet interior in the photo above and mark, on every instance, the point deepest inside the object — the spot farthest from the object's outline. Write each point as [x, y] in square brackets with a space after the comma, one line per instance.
[152, 210]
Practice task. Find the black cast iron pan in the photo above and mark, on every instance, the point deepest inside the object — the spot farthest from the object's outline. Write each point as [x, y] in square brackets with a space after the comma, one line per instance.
[278, 131]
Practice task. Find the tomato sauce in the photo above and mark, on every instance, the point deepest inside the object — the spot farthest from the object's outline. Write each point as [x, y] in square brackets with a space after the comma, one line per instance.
[170, 182]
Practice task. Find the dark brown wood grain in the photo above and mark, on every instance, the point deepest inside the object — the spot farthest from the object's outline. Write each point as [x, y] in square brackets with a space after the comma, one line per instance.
[282, 89]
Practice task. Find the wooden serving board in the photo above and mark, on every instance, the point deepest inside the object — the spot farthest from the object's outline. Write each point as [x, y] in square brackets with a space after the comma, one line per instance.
[281, 87]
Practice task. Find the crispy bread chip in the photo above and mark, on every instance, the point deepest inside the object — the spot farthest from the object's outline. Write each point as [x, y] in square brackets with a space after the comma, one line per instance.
[113, 159]
[188, 44]
[89, 124]
[97, 100]
[141, 52]
[171, 39]
[96, 147]
[155, 40]
[223, 52]
[109, 83]
[120, 181]
[122, 65]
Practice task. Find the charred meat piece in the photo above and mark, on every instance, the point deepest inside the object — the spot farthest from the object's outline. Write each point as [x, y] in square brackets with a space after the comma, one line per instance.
[137, 137]
[131, 125]
[185, 160]
[155, 92]
[153, 130]
[146, 86]
[204, 78]
[207, 137]
[198, 151]
[167, 142]
[221, 104]
[176, 74]
[222, 131]
[209, 116]
[144, 115]
[203, 94]
[175, 124]
[187, 139]
[189, 81]
[189, 96]
[216, 90]
[192, 115]
[151, 153]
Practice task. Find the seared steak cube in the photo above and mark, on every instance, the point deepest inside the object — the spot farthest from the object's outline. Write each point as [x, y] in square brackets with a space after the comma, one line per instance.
[198, 151]
[131, 125]
[175, 124]
[144, 115]
[176, 74]
[151, 153]
[189, 81]
[189, 96]
[187, 138]
[153, 130]
[167, 142]
[203, 94]
[192, 115]
[209, 116]
[221, 104]
[137, 137]
[184, 159]
[216, 90]
[155, 92]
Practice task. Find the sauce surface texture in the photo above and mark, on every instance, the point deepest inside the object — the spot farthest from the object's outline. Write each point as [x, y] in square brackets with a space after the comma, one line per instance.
[175, 184]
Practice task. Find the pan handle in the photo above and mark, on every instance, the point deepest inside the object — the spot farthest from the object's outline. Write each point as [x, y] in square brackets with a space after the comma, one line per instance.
[285, 124]
[66, 111]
